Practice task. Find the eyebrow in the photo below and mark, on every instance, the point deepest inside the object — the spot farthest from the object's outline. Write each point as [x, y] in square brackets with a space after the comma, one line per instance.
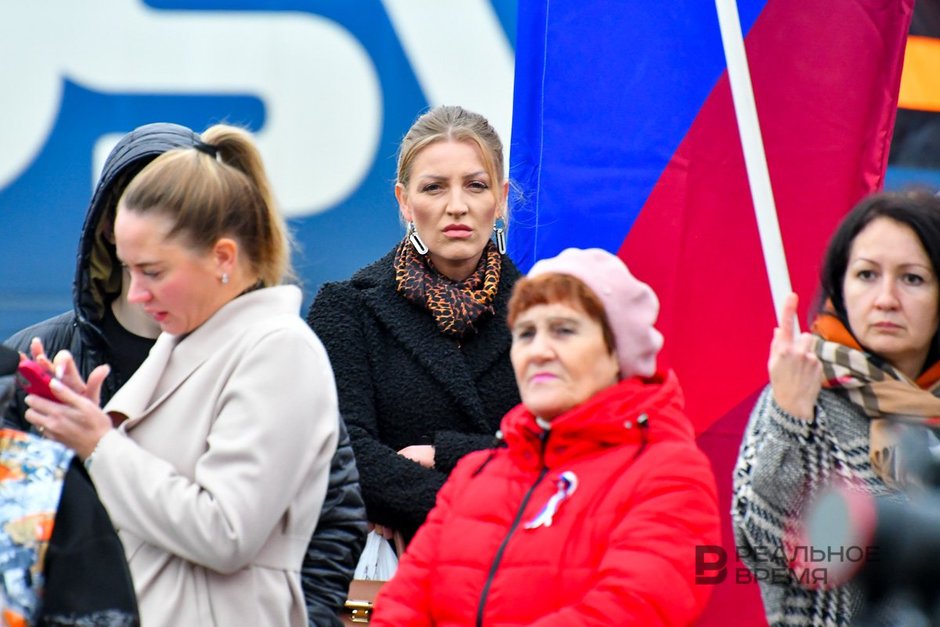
[142, 264]
[440, 177]
[903, 265]
[551, 320]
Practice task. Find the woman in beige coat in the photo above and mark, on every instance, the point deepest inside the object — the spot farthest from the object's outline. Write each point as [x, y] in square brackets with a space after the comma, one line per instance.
[211, 460]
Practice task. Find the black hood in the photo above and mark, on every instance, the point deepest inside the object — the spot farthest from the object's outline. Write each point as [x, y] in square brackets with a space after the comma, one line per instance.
[97, 271]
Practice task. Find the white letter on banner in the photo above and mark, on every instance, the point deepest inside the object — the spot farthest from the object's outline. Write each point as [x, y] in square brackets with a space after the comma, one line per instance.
[320, 89]
[460, 55]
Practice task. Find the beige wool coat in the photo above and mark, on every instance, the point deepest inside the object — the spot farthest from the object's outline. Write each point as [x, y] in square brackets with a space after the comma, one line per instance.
[216, 479]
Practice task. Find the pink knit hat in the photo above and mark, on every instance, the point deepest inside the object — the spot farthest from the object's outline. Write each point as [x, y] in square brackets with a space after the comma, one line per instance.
[630, 304]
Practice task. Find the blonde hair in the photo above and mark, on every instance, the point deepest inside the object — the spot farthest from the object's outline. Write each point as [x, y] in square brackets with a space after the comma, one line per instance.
[218, 188]
[453, 123]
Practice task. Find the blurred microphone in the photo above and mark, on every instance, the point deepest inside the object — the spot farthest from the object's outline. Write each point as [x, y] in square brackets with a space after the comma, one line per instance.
[888, 545]
[9, 360]
[900, 543]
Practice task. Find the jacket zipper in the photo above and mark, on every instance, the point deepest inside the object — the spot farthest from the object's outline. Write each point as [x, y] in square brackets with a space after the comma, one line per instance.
[502, 547]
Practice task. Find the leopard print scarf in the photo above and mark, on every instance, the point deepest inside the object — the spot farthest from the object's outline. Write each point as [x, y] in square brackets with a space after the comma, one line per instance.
[455, 305]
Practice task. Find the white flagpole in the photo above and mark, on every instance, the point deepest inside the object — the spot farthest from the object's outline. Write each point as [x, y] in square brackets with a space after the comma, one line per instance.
[742, 93]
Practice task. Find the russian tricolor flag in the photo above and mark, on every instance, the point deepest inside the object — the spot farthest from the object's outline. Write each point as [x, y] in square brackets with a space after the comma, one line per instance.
[626, 137]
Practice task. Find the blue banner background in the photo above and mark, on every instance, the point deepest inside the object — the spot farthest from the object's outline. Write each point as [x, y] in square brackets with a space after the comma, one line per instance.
[44, 207]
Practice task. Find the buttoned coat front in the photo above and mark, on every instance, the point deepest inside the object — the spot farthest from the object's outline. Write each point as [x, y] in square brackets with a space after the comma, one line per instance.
[216, 478]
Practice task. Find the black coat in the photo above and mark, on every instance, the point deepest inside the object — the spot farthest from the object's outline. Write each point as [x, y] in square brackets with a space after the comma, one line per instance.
[402, 382]
[87, 579]
[341, 529]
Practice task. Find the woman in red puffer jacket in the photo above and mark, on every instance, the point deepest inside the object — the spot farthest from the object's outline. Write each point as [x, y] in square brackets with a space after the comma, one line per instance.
[592, 512]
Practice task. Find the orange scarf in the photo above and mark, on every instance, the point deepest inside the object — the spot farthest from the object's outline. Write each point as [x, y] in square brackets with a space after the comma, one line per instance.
[891, 399]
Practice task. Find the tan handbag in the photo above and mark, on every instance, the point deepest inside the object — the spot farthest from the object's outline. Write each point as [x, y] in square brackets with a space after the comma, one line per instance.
[362, 593]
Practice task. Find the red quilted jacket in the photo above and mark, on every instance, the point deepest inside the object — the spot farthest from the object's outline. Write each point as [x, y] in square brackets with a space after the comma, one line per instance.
[594, 522]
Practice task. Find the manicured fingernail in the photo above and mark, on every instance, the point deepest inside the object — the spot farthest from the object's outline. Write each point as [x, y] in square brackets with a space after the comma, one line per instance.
[55, 383]
[59, 371]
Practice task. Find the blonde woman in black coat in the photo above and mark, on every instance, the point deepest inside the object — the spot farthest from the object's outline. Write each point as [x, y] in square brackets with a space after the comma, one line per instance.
[418, 339]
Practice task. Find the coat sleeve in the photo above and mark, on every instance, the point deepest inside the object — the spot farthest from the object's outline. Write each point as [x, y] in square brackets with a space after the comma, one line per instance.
[334, 549]
[263, 449]
[397, 491]
[647, 575]
[405, 601]
[771, 480]
[451, 446]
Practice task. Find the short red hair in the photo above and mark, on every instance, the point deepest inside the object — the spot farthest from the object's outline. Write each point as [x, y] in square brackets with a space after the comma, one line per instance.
[551, 288]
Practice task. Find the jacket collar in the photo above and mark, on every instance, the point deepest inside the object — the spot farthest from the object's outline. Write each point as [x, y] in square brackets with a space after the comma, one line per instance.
[609, 418]
[455, 367]
[174, 358]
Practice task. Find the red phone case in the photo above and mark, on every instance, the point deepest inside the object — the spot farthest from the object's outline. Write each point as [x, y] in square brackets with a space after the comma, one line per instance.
[34, 379]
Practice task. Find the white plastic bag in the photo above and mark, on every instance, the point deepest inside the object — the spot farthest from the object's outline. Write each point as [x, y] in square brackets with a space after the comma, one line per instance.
[378, 559]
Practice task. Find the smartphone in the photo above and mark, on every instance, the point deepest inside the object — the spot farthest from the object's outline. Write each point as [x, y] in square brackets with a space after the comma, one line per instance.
[34, 379]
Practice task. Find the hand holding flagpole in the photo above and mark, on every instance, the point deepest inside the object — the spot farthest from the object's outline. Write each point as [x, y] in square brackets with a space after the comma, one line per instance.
[795, 370]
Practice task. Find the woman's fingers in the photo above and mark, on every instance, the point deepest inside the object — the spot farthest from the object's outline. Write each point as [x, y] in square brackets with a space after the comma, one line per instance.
[64, 399]
[788, 316]
[95, 381]
[34, 418]
[38, 354]
[803, 344]
[75, 421]
[44, 413]
[782, 342]
[386, 532]
[36, 349]
[795, 370]
[67, 372]
[793, 359]
[421, 453]
[800, 348]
